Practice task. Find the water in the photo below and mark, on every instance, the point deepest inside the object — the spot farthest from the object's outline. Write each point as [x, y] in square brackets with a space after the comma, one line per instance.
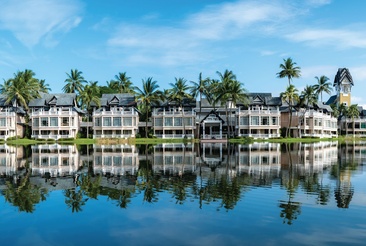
[212, 194]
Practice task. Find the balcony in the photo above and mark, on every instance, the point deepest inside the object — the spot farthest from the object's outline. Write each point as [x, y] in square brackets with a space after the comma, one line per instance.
[113, 136]
[178, 113]
[54, 113]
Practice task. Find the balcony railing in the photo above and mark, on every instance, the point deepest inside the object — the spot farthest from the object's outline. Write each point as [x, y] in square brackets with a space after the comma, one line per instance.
[190, 114]
[129, 113]
[174, 135]
[53, 113]
[51, 136]
[264, 136]
[113, 136]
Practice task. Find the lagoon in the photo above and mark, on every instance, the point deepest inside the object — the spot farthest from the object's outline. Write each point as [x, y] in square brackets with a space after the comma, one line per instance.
[184, 194]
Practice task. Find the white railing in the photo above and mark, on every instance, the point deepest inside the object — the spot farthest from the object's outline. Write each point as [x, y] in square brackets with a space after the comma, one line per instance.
[113, 136]
[51, 136]
[174, 135]
[261, 112]
[260, 135]
[175, 113]
[49, 113]
[214, 136]
[9, 114]
[129, 113]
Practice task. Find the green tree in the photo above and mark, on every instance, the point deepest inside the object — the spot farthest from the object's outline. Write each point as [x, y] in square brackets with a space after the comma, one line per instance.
[353, 113]
[289, 70]
[308, 98]
[149, 94]
[89, 95]
[224, 92]
[43, 87]
[290, 96]
[179, 93]
[22, 88]
[121, 84]
[322, 86]
[200, 88]
[74, 82]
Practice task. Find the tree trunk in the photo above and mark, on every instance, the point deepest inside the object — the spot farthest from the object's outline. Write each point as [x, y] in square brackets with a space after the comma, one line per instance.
[147, 116]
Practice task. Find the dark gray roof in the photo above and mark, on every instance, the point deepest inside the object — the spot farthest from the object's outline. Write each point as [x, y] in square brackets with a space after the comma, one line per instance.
[3, 102]
[61, 99]
[263, 99]
[331, 100]
[123, 99]
[342, 75]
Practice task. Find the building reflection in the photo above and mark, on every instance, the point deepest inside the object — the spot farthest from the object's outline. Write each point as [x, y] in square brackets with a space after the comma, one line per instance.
[174, 158]
[11, 159]
[55, 160]
[118, 170]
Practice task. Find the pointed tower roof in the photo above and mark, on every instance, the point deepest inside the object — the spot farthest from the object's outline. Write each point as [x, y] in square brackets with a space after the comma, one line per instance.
[343, 75]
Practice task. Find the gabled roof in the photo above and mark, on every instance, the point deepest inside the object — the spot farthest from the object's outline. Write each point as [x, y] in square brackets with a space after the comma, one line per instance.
[3, 102]
[61, 99]
[263, 99]
[331, 100]
[121, 99]
[187, 102]
[215, 113]
[343, 75]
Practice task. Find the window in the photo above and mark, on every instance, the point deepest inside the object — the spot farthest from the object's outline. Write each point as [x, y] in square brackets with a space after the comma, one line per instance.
[97, 122]
[188, 121]
[2, 122]
[36, 122]
[265, 121]
[44, 121]
[116, 121]
[65, 121]
[244, 121]
[53, 121]
[177, 121]
[274, 120]
[107, 121]
[168, 121]
[158, 122]
[254, 120]
[127, 121]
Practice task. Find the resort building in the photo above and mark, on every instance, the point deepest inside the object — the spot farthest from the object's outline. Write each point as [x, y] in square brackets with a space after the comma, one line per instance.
[316, 120]
[12, 120]
[170, 120]
[212, 121]
[260, 118]
[55, 116]
[117, 117]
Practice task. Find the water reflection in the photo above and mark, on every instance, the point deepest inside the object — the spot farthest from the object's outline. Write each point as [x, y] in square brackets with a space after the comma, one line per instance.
[217, 174]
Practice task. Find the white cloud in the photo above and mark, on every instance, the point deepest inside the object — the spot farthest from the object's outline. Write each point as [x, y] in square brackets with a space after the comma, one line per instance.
[340, 38]
[309, 73]
[32, 20]
[318, 3]
[191, 40]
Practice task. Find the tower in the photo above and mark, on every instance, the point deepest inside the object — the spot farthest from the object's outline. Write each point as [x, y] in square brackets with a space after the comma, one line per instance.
[343, 83]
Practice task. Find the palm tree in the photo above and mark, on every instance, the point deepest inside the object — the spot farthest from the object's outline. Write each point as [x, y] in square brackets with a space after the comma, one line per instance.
[22, 88]
[224, 92]
[290, 96]
[89, 95]
[148, 95]
[43, 87]
[74, 82]
[178, 93]
[322, 86]
[308, 97]
[353, 113]
[289, 70]
[201, 88]
[121, 84]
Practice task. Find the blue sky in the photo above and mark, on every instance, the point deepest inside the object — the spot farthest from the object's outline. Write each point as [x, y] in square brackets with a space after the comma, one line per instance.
[175, 38]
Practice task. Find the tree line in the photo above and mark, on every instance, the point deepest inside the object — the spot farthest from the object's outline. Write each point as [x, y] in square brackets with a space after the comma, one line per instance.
[24, 87]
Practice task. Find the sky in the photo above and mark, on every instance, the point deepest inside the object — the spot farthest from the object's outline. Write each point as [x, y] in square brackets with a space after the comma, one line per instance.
[179, 39]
